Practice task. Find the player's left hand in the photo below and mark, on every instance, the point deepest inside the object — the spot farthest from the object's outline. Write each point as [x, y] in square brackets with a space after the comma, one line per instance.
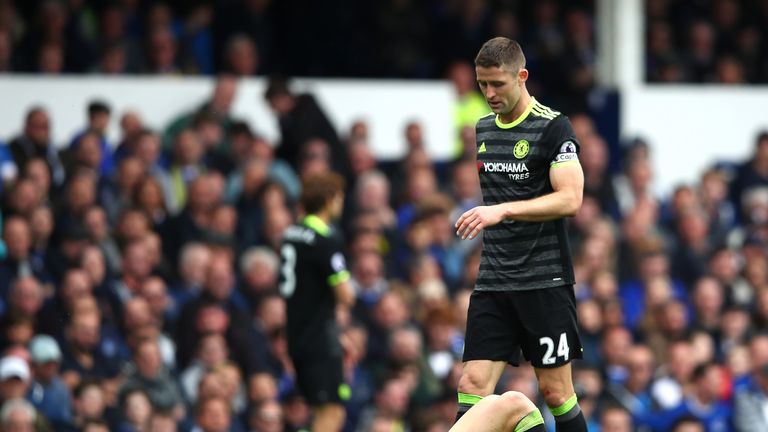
[474, 220]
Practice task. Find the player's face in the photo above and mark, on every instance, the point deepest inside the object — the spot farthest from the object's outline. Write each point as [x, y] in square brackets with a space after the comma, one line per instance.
[501, 87]
[337, 206]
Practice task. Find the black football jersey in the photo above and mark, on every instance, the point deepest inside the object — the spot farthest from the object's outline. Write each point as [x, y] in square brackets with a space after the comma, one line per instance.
[312, 263]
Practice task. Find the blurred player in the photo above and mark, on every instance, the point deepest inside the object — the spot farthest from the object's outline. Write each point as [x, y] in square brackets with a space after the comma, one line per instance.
[314, 280]
[531, 180]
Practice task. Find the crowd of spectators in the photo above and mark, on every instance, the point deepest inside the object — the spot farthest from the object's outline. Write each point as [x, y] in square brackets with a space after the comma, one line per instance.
[337, 38]
[138, 278]
[711, 41]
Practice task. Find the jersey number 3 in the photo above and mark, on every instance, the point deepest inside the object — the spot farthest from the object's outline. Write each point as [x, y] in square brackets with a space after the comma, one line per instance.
[562, 349]
[288, 269]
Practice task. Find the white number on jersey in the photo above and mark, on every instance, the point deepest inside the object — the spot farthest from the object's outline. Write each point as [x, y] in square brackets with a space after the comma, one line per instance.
[562, 349]
[288, 285]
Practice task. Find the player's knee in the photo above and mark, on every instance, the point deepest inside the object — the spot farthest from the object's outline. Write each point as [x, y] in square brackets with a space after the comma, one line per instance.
[515, 404]
[554, 395]
[473, 382]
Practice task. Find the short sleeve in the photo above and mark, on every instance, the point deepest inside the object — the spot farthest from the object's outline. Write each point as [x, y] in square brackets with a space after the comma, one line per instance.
[333, 263]
[562, 139]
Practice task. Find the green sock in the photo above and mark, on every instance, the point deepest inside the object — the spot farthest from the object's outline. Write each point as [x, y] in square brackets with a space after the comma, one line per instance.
[466, 401]
[568, 416]
[529, 422]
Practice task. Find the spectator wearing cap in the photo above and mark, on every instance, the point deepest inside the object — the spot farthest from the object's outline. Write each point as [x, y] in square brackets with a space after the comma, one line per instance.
[14, 378]
[48, 393]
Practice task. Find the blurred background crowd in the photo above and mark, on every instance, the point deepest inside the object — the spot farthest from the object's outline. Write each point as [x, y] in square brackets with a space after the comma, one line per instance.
[138, 278]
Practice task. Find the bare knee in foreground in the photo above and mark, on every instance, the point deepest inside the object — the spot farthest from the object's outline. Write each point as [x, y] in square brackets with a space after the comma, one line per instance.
[328, 417]
[514, 406]
[496, 413]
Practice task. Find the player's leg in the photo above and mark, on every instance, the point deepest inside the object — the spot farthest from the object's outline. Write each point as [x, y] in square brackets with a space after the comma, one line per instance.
[489, 344]
[511, 411]
[328, 417]
[556, 387]
[552, 341]
[321, 381]
[478, 379]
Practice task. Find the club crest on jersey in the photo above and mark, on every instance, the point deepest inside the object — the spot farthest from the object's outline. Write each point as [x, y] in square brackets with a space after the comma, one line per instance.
[521, 149]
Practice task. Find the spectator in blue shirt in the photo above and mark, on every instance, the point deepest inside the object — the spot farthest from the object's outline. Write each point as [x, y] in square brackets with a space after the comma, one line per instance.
[704, 402]
[48, 393]
[98, 120]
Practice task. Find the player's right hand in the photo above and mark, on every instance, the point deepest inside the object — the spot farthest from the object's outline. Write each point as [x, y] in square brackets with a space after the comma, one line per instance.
[474, 220]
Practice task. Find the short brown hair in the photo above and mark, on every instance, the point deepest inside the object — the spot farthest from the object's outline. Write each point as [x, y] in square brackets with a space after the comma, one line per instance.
[501, 52]
[318, 189]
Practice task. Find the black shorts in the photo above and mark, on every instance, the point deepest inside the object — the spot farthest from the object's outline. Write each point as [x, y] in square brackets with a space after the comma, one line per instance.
[542, 323]
[320, 379]
[317, 358]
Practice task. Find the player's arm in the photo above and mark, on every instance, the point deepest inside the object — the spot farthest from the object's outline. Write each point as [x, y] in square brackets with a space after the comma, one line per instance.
[345, 294]
[567, 181]
[565, 176]
[339, 280]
